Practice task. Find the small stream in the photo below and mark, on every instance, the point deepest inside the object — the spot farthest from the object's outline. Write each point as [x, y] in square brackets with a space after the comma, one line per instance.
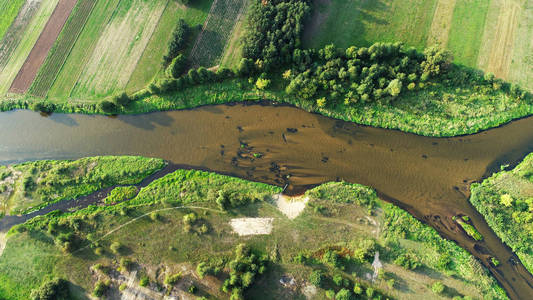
[429, 177]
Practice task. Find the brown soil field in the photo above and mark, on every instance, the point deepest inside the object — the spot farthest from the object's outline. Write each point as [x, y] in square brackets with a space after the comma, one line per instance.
[40, 50]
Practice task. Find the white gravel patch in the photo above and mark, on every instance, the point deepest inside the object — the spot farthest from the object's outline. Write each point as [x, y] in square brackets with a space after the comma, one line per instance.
[252, 226]
[291, 207]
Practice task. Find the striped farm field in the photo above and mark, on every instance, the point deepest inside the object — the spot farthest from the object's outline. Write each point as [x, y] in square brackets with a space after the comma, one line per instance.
[62, 47]
[83, 48]
[40, 50]
[149, 64]
[29, 37]
[15, 32]
[119, 48]
[212, 41]
[9, 9]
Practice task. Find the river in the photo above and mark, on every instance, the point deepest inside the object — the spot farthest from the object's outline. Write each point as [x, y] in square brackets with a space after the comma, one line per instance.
[429, 177]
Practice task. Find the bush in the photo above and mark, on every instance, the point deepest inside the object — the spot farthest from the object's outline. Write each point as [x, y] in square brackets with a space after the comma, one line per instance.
[44, 107]
[144, 281]
[56, 289]
[316, 278]
[100, 288]
[172, 280]
[107, 106]
[407, 261]
[438, 287]
[343, 294]
[116, 247]
[122, 99]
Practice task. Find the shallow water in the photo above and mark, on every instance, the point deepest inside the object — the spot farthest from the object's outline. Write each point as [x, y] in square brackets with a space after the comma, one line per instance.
[429, 177]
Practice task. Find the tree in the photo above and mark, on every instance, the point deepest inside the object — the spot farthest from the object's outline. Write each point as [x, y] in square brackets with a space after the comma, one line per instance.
[395, 87]
[107, 106]
[343, 294]
[177, 43]
[438, 287]
[316, 278]
[177, 66]
[55, 289]
[121, 99]
[262, 83]
[436, 61]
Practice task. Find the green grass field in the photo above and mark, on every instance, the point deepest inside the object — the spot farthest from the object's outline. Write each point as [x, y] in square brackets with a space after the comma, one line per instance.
[466, 33]
[33, 30]
[361, 23]
[61, 49]
[9, 9]
[149, 64]
[344, 219]
[83, 49]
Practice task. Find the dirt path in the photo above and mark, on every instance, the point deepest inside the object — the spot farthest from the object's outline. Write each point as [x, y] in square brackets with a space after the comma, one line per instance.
[442, 23]
[40, 50]
[3, 241]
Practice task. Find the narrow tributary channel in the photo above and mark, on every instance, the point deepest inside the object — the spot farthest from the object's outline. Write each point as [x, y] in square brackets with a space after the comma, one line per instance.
[429, 177]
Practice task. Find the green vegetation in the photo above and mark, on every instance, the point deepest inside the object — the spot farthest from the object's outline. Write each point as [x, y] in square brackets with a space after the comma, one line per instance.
[363, 23]
[33, 185]
[464, 222]
[506, 202]
[466, 31]
[119, 194]
[332, 247]
[56, 289]
[9, 9]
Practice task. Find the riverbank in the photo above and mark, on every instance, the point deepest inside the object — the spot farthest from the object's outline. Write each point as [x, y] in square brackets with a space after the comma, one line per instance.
[436, 110]
[337, 234]
[506, 202]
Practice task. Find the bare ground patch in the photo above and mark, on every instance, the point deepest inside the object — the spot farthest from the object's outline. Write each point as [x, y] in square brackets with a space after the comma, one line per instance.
[252, 226]
[291, 207]
[40, 50]
[442, 23]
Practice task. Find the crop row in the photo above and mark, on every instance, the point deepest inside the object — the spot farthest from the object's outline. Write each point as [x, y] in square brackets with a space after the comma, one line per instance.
[62, 47]
[212, 41]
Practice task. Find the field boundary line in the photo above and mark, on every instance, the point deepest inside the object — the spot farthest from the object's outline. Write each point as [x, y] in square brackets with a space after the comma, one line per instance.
[72, 47]
[146, 46]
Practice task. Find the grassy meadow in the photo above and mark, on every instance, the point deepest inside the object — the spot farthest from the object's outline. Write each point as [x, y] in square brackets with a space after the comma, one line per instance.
[33, 185]
[176, 223]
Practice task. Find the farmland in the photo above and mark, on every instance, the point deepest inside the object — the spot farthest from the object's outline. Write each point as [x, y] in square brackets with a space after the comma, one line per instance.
[492, 35]
[40, 50]
[119, 48]
[30, 36]
[10, 10]
[149, 63]
[218, 29]
[58, 54]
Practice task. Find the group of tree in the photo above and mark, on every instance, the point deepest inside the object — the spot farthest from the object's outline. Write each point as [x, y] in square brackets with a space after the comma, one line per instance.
[178, 42]
[273, 31]
[55, 289]
[243, 271]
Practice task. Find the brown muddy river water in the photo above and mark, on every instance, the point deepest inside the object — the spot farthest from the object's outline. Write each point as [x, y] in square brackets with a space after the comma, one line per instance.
[429, 177]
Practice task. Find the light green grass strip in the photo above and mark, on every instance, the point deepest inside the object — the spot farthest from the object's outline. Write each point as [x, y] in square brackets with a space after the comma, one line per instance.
[26, 44]
[8, 12]
[83, 48]
[467, 29]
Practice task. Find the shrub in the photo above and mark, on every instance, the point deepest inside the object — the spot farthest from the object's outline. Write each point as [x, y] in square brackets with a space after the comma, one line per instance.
[122, 99]
[193, 289]
[343, 294]
[116, 247]
[177, 43]
[56, 289]
[107, 106]
[172, 280]
[407, 261]
[438, 287]
[44, 107]
[100, 288]
[330, 294]
[126, 264]
[144, 281]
